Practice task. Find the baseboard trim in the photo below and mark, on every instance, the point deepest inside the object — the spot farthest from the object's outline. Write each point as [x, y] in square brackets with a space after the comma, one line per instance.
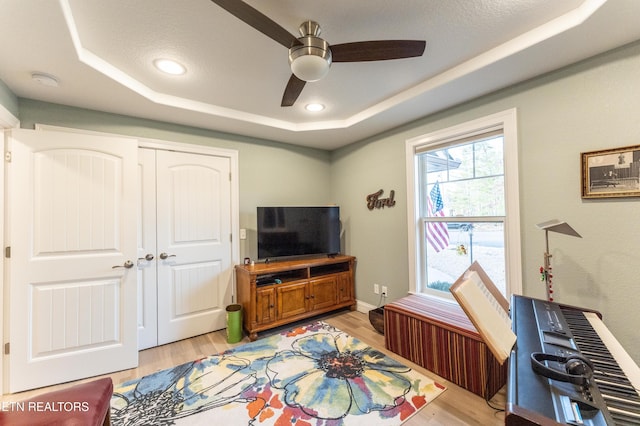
[364, 307]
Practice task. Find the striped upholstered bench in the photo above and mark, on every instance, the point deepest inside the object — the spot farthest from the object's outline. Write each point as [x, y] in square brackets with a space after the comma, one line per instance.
[439, 336]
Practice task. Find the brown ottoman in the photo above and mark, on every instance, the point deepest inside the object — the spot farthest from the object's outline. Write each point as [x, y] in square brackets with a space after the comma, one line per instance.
[439, 336]
[86, 404]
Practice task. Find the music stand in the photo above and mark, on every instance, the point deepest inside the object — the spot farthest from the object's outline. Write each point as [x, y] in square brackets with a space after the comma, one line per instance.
[560, 227]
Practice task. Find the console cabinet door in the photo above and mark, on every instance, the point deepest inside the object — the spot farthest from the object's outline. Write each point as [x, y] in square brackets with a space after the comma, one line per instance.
[292, 299]
[323, 292]
[266, 305]
[345, 287]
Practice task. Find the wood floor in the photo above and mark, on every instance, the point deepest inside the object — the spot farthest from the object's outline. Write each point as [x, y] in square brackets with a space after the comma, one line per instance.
[456, 406]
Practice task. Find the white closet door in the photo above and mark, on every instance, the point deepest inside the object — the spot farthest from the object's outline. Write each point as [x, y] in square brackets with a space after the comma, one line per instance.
[147, 255]
[72, 229]
[193, 213]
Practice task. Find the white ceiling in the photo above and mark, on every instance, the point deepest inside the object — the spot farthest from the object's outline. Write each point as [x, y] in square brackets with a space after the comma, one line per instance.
[101, 53]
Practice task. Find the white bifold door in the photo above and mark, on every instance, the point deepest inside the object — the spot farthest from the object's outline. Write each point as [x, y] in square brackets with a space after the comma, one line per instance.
[184, 253]
[71, 215]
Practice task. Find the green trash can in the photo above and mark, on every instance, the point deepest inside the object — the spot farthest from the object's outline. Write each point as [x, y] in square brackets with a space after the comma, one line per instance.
[234, 323]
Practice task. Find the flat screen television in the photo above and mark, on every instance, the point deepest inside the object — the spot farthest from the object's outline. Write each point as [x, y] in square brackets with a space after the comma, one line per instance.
[298, 231]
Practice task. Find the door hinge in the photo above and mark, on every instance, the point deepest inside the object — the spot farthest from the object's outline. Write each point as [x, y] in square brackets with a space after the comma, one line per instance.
[7, 156]
[7, 252]
[231, 238]
[230, 179]
[7, 348]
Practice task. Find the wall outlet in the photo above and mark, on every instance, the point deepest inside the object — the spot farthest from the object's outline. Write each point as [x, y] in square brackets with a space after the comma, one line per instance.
[384, 291]
[376, 289]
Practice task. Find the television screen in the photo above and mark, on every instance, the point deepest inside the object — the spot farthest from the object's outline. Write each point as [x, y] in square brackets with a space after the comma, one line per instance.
[298, 231]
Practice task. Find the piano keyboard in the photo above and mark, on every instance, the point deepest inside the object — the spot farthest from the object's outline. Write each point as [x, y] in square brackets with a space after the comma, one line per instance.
[610, 396]
[615, 373]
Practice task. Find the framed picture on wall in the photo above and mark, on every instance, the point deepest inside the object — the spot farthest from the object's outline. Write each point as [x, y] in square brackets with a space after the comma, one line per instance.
[611, 173]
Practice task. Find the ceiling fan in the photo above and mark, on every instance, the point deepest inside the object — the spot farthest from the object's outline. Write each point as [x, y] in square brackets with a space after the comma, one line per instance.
[310, 56]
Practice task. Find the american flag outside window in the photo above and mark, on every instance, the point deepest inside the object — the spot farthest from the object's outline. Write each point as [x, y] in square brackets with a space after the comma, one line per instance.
[437, 233]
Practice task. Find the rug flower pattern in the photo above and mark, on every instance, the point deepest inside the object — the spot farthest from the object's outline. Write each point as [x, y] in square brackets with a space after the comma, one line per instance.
[310, 376]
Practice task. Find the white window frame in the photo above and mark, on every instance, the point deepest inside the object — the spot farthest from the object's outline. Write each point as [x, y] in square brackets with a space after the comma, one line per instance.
[505, 120]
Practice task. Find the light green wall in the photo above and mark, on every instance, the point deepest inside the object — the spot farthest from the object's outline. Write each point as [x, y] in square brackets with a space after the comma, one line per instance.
[589, 106]
[8, 99]
[271, 173]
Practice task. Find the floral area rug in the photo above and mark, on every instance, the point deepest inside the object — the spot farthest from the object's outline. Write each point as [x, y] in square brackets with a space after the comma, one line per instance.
[314, 375]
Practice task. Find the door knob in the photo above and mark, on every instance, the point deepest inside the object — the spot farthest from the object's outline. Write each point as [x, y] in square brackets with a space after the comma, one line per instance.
[164, 256]
[127, 265]
[148, 257]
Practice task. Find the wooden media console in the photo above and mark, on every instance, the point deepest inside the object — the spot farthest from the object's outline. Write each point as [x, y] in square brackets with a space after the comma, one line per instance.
[278, 293]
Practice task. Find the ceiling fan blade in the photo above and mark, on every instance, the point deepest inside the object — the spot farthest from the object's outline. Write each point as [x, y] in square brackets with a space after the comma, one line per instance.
[381, 50]
[292, 91]
[259, 21]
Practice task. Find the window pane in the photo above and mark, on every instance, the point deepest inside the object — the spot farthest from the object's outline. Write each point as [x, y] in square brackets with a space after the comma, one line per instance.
[436, 165]
[465, 161]
[489, 157]
[477, 197]
[468, 242]
[463, 181]
[470, 177]
[464, 154]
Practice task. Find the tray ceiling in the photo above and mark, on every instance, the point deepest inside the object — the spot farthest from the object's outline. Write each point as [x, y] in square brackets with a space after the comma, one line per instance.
[101, 53]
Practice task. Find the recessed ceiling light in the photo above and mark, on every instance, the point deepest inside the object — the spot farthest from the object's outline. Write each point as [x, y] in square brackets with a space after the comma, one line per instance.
[170, 66]
[314, 107]
[45, 79]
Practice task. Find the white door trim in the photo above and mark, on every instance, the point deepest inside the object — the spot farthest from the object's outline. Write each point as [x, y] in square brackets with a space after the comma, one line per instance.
[7, 121]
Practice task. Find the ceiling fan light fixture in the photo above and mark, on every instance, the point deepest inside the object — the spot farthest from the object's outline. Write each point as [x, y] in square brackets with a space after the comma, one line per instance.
[310, 67]
[311, 60]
